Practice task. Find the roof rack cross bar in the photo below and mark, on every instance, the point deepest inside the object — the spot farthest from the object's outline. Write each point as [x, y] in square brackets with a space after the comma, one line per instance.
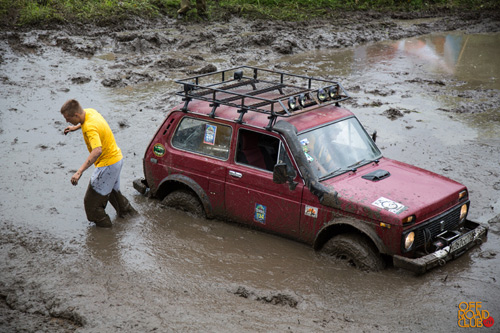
[255, 92]
[209, 89]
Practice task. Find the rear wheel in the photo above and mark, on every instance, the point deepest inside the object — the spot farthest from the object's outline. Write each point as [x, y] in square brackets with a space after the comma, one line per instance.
[357, 250]
[185, 201]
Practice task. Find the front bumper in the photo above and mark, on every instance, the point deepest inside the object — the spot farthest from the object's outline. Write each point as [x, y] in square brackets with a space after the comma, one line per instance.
[475, 236]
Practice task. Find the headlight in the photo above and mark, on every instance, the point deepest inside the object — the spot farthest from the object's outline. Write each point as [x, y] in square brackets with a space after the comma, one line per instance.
[409, 240]
[463, 212]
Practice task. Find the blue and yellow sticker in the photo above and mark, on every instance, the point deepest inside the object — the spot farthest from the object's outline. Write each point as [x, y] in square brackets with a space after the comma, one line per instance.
[210, 133]
[260, 213]
[159, 149]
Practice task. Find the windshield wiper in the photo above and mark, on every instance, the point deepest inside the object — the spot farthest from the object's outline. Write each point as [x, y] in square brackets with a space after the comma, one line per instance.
[352, 166]
[328, 175]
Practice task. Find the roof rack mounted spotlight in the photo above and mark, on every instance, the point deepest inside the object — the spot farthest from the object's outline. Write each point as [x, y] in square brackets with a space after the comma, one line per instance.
[292, 103]
[238, 75]
[302, 100]
[322, 96]
[332, 92]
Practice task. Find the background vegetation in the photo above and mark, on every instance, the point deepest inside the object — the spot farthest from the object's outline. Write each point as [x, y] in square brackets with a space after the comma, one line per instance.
[39, 12]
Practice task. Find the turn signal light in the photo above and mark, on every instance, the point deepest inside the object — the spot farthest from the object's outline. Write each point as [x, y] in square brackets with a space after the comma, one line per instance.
[462, 194]
[409, 219]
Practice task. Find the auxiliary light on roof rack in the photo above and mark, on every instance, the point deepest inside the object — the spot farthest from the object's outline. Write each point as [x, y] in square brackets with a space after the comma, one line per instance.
[275, 93]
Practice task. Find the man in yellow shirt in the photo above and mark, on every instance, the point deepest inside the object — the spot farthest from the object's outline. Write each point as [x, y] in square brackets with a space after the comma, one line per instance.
[104, 183]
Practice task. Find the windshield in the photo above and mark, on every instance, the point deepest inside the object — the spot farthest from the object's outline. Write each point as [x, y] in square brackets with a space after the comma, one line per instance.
[338, 147]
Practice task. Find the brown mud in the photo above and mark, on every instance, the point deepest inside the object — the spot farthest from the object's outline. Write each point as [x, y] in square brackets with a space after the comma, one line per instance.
[429, 85]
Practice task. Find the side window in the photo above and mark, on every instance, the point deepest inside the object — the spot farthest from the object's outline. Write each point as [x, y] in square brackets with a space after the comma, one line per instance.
[257, 149]
[203, 137]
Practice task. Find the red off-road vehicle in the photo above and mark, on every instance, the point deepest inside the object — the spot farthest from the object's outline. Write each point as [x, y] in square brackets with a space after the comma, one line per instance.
[276, 151]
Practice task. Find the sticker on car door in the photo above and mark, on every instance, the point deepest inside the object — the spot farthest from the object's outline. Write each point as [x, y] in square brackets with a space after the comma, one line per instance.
[260, 213]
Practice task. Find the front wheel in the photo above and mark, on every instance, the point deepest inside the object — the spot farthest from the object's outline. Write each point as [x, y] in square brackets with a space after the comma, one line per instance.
[357, 250]
[185, 201]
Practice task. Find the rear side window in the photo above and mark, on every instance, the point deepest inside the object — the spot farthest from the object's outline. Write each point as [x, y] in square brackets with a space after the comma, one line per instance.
[203, 137]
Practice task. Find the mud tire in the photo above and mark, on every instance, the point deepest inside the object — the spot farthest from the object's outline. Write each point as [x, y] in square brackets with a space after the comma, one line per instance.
[356, 250]
[184, 200]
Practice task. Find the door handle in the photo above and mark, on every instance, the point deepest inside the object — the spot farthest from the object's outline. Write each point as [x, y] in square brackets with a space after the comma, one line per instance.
[235, 174]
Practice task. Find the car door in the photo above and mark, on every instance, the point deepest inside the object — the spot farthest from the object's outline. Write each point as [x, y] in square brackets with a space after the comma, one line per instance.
[251, 196]
[200, 152]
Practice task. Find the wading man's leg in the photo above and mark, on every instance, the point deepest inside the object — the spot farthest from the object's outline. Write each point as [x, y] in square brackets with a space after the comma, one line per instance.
[95, 208]
[105, 185]
[121, 204]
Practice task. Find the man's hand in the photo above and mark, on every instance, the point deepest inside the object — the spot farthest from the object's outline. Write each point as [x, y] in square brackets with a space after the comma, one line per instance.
[94, 155]
[76, 178]
[71, 129]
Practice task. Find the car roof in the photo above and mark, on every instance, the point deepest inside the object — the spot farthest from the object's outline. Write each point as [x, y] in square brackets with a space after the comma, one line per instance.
[316, 117]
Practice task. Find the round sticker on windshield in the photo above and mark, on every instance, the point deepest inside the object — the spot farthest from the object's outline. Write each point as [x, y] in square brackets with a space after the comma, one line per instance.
[159, 149]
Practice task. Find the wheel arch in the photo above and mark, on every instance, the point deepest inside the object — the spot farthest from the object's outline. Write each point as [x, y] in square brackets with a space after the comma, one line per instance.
[348, 225]
[181, 182]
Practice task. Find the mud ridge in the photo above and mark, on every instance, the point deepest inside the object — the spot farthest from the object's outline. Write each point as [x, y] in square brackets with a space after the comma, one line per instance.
[272, 298]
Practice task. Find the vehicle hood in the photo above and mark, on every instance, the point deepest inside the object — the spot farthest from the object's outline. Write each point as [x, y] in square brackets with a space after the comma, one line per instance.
[406, 190]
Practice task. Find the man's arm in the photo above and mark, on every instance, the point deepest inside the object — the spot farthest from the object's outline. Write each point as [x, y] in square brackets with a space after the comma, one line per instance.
[72, 128]
[94, 155]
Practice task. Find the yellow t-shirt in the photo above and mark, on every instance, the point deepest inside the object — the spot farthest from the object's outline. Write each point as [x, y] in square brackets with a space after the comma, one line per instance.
[96, 133]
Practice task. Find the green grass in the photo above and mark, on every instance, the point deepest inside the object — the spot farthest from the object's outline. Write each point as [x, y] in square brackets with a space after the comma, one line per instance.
[39, 12]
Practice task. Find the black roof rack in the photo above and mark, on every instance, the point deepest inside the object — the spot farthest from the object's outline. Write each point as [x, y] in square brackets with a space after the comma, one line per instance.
[275, 93]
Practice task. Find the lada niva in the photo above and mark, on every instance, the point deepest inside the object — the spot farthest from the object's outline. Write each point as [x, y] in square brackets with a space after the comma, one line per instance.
[277, 152]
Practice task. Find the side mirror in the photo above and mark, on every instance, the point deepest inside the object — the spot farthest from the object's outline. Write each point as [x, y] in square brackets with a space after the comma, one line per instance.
[374, 136]
[280, 173]
[281, 176]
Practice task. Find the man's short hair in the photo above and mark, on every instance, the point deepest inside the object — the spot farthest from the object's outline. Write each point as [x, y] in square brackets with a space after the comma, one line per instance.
[71, 107]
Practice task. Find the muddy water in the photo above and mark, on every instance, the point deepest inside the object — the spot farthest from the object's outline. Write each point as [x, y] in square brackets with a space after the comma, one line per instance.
[434, 101]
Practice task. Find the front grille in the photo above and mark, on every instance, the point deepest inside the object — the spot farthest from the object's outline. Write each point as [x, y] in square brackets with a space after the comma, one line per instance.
[427, 231]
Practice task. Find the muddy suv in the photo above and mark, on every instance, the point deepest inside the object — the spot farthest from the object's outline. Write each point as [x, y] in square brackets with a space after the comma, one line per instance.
[277, 152]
